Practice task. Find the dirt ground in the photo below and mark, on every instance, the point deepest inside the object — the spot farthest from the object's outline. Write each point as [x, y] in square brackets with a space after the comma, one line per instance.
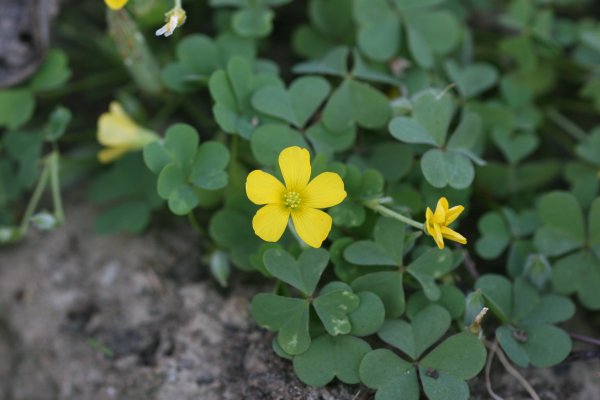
[69, 299]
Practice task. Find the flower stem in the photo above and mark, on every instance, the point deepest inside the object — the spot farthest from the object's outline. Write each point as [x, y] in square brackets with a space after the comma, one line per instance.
[196, 225]
[35, 198]
[376, 206]
[567, 125]
[177, 3]
[585, 339]
[54, 161]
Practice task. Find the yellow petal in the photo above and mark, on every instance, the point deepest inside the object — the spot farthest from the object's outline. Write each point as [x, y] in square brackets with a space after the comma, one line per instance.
[263, 188]
[452, 235]
[111, 154]
[439, 239]
[116, 4]
[439, 217]
[452, 214]
[428, 215]
[114, 130]
[312, 225]
[295, 168]
[326, 190]
[270, 222]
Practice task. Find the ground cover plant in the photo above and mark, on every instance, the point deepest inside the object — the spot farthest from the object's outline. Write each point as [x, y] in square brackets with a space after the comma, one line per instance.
[417, 178]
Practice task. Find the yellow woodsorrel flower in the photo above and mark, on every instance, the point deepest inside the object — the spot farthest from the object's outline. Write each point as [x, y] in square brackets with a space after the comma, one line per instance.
[121, 134]
[116, 4]
[437, 224]
[297, 198]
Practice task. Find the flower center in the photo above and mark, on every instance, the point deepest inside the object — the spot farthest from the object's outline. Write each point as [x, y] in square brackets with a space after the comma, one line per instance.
[291, 200]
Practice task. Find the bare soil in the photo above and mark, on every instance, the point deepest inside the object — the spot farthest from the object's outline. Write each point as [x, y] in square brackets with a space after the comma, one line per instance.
[138, 317]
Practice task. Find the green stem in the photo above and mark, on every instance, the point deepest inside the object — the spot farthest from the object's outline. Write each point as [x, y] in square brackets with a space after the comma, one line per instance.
[54, 161]
[35, 198]
[177, 3]
[196, 225]
[569, 126]
[392, 214]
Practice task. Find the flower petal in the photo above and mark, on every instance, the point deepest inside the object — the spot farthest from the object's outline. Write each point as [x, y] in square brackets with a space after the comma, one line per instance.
[326, 190]
[270, 222]
[439, 239]
[116, 4]
[452, 235]
[439, 217]
[295, 168]
[312, 225]
[111, 154]
[264, 188]
[452, 214]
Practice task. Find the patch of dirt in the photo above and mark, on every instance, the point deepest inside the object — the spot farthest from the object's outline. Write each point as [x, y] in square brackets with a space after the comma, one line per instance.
[137, 317]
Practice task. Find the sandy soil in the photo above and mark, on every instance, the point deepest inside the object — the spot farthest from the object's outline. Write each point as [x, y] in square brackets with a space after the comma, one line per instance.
[174, 334]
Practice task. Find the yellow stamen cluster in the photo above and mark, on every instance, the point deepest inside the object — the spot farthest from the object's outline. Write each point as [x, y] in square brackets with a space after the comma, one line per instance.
[291, 200]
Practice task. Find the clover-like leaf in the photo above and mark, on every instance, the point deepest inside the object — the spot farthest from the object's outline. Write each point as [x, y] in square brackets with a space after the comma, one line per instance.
[451, 298]
[394, 378]
[443, 168]
[286, 315]
[209, 164]
[295, 105]
[498, 294]
[414, 338]
[563, 228]
[328, 357]
[494, 235]
[461, 356]
[579, 272]
[303, 274]
[473, 79]
[540, 345]
[515, 146]
[368, 317]
[387, 286]
[333, 309]
[270, 140]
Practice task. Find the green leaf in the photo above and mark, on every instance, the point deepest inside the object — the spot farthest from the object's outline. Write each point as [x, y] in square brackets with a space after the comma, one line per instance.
[515, 147]
[328, 357]
[368, 317]
[467, 134]
[170, 180]
[525, 298]
[181, 142]
[303, 274]
[57, 123]
[594, 226]
[563, 228]
[498, 290]
[419, 49]
[451, 298]
[220, 268]
[307, 94]
[54, 72]
[461, 356]
[231, 228]
[274, 101]
[371, 184]
[393, 160]
[389, 234]
[444, 387]
[495, 236]
[347, 214]
[546, 345]
[434, 114]
[253, 21]
[183, 200]
[473, 79]
[16, 107]
[333, 309]
[199, 54]
[329, 142]
[439, 30]
[278, 350]
[286, 315]
[551, 309]
[365, 252]
[269, 141]
[379, 33]
[387, 286]
[434, 263]
[335, 62]
[426, 328]
[579, 272]
[514, 350]
[207, 171]
[156, 157]
[394, 378]
[442, 168]
[410, 131]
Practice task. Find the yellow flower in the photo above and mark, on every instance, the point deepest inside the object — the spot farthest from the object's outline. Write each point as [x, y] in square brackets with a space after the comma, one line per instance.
[174, 18]
[120, 134]
[116, 4]
[437, 224]
[297, 198]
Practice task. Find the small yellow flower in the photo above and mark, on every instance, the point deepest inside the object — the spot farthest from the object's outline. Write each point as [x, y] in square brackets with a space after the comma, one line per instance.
[174, 18]
[121, 134]
[437, 224]
[297, 198]
[116, 4]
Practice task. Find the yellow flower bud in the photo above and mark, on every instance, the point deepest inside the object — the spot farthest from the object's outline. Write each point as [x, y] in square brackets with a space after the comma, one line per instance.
[120, 134]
